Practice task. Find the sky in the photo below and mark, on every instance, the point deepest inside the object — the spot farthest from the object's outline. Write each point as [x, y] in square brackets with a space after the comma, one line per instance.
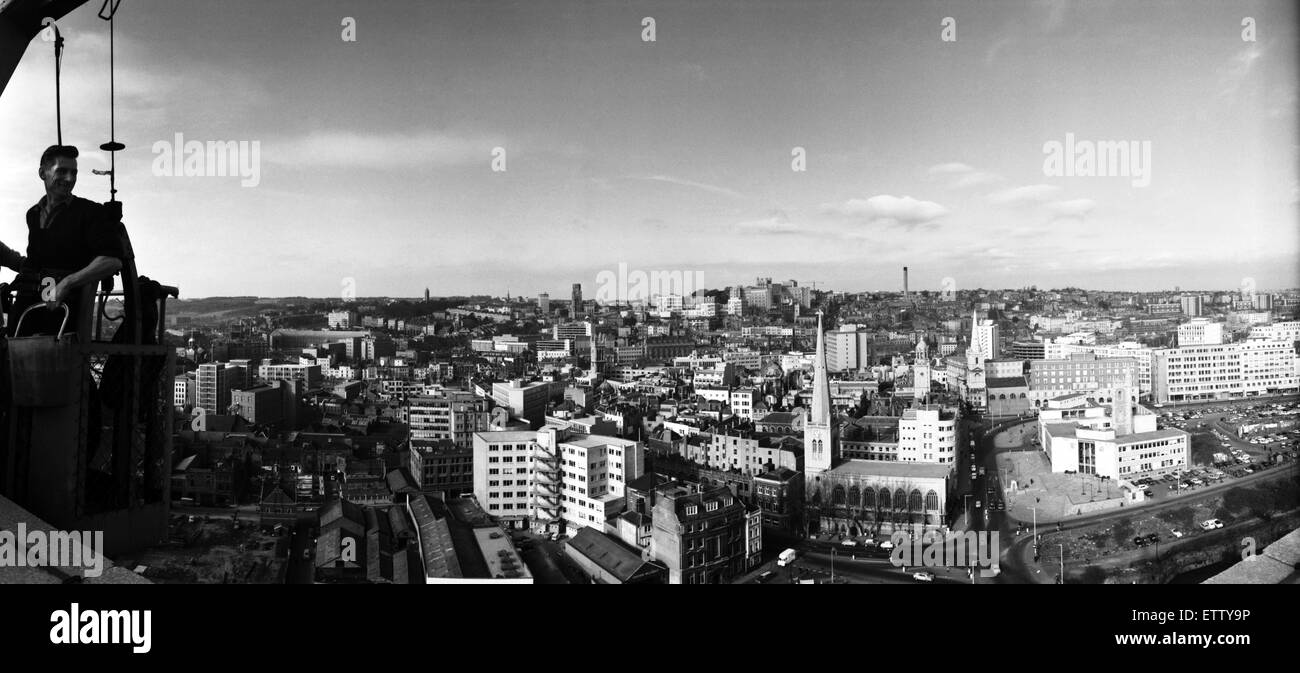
[376, 156]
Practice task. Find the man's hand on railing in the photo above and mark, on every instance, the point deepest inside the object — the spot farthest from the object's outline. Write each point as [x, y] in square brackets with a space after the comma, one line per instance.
[61, 291]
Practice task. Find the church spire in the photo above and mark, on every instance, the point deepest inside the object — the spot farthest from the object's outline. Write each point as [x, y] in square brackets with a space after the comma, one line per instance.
[821, 401]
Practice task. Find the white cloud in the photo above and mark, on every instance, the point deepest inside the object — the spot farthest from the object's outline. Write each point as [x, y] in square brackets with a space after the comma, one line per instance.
[1019, 196]
[776, 223]
[1074, 208]
[966, 175]
[884, 207]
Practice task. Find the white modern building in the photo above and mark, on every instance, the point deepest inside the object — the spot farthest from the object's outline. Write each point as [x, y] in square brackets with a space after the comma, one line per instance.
[552, 478]
[1200, 332]
[927, 434]
[1224, 371]
[1116, 440]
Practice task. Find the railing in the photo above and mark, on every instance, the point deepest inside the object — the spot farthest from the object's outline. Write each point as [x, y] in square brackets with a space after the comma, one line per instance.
[102, 462]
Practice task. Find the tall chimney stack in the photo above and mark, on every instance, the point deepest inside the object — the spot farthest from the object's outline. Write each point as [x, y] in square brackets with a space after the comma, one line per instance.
[904, 282]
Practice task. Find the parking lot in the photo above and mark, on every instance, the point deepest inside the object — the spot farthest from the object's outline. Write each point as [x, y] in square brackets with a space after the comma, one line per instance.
[1227, 441]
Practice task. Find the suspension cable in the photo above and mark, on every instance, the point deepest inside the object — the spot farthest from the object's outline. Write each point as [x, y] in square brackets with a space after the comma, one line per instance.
[58, 87]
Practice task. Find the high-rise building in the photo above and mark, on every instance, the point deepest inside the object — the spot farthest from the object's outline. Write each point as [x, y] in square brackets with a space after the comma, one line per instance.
[1193, 305]
[455, 415]
[544, 303]
[551, 477]
[577, 299]
[213, 385]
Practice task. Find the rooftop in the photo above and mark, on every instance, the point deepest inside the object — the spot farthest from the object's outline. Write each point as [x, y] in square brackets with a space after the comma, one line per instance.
[1278, 563]
[607, 553]
[892, 469]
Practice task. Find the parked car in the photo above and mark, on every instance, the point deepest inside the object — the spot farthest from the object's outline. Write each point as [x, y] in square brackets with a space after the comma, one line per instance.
[849, 542]
[765, 577]
[1152, 538]
[886, 544]
[1211, 524]
[1140, 541]
[923, 577]
[1176, 533]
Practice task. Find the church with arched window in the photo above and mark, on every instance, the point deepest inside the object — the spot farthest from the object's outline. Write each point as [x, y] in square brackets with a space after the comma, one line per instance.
[866, 497]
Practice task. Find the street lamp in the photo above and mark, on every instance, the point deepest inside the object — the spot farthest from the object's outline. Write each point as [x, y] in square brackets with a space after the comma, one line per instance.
[833, 565]
[965, 506]
[1035, 511]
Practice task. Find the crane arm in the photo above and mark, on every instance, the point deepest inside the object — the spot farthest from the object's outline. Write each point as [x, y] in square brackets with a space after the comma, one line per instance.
[20, 21]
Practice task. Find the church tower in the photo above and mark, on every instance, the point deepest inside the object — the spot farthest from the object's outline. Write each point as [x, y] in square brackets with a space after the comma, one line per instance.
[821, 446]
[975, 357]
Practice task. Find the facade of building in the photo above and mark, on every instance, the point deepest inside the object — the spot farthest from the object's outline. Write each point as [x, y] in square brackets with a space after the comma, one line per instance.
[779, 495]
[184, 390]
[1121, 443]
[927, 434]
[212, 382]
[263, 405]
[1224, 371]
[1200, 332]
[554, 479]
[442, 467]
[342, 319]
[1079, 372]
[524, 400]
[455, 415]
[1026, 350]
[703, 535]
[306, 377]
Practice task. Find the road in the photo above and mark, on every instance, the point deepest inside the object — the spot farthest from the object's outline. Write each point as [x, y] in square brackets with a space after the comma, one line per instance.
[1016, 564]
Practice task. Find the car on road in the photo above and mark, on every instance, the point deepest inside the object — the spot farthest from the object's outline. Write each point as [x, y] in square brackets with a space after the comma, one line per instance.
[868, 542]
[1176, 533]
[1149, 493]
[765, 577]
[1211, 524]
[977, 504]
[886, 544]
[923, 577]
[306, 553]
[849, 542]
